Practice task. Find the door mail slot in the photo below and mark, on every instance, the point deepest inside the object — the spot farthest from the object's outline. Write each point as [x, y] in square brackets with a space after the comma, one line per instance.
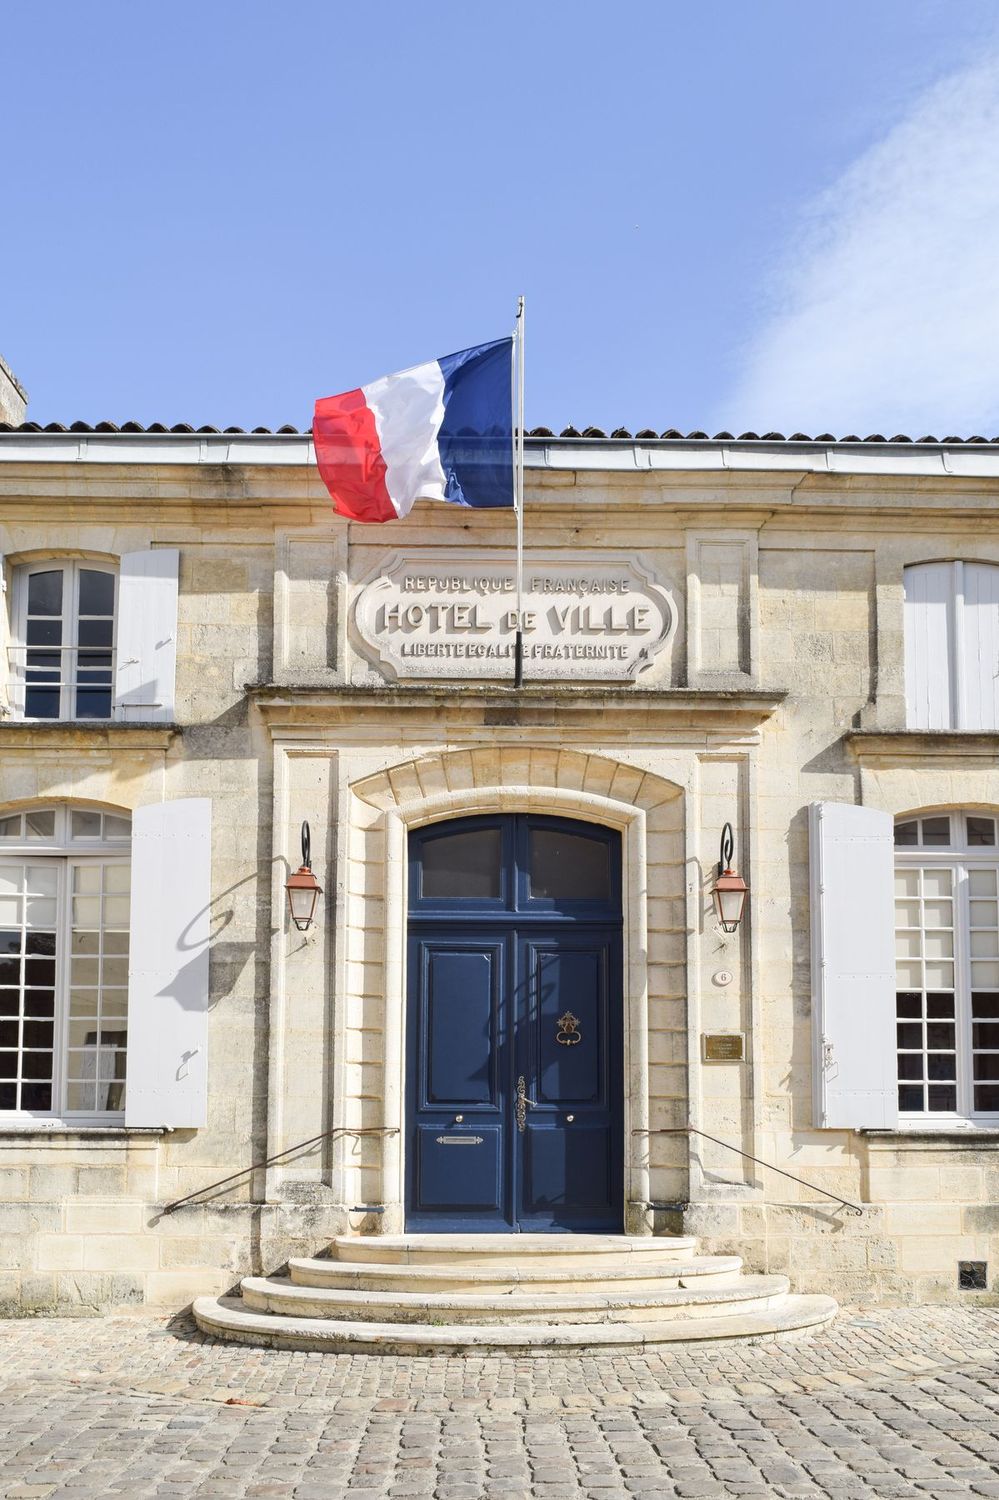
[459, 1140]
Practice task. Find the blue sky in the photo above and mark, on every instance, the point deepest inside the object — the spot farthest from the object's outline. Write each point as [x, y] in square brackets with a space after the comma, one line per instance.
[763, 214]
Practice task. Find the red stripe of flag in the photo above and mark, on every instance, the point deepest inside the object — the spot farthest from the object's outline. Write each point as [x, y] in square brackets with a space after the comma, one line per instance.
[350, 458]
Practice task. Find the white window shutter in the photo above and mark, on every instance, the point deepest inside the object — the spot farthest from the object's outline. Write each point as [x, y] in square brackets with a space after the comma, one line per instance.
[929, 646]
[146, 660]
[979, 646]
[853, 965]
[168, 964]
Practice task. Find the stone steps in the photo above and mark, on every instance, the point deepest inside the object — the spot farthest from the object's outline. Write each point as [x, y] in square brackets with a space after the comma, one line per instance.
[523, 1249]
[517, 1294]
[229, 1319]
[271, 1294]
[508, 1276]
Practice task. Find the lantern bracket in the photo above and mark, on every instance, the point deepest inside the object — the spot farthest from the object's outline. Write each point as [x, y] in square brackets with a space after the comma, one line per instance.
[726, 849]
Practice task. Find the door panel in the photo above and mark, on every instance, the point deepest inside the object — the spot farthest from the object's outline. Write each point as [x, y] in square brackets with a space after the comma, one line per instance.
[461, 991]
[457, 1167]
[571, 985]
[459, 1170]
[572, 1134]
[568, 1177]
[515, 994]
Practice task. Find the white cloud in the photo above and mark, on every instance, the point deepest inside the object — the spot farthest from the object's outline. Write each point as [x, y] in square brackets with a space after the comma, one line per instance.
[887, 315]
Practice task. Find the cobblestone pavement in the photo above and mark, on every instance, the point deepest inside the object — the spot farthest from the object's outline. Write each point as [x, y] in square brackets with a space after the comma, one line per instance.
[881, 1403]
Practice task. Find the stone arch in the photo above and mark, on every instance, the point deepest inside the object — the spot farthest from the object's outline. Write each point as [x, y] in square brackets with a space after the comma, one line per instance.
[648, 810]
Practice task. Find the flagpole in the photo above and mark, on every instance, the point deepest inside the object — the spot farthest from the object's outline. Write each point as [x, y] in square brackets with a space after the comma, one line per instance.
[518, 456]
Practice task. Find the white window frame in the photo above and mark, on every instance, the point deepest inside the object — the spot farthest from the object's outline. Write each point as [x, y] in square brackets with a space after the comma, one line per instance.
[69, 853]
[71, 568]
[959, 858]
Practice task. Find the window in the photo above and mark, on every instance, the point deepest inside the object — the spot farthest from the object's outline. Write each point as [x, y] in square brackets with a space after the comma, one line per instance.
[952, 645]
[468, 864]
[947, 947]
[568, 866]
[62, 657]
[64, 929]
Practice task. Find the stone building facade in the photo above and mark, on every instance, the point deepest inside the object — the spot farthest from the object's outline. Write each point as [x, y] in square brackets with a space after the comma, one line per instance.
[720, 632]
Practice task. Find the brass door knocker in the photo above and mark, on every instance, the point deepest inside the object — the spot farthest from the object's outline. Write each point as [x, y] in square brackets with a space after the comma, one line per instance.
[567, 1034]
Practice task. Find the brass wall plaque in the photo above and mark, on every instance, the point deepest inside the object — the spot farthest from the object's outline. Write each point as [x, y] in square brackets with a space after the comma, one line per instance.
[723, 1046]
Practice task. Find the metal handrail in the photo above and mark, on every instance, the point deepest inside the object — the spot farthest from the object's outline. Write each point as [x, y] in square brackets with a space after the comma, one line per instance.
[278, 1155]
[96, 674]
[854, 1208]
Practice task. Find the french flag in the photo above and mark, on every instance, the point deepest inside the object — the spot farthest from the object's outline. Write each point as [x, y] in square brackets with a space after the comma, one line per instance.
[440, 431]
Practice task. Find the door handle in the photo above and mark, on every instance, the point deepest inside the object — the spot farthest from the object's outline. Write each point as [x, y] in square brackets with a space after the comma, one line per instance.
[520, 1110]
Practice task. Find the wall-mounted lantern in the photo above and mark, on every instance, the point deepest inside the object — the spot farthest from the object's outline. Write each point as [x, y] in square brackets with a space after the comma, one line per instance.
[730, 890]
[303, 888]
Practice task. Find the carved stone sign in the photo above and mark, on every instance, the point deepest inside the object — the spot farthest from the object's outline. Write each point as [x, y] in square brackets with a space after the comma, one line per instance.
[454, 615]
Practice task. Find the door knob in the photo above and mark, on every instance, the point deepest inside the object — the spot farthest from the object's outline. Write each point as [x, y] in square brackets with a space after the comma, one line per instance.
[569, 1119]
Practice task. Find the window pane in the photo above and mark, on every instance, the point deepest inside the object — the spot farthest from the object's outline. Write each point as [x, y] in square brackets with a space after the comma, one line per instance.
[96, 633]
[96, 592]
[10, 828]
[40, 824]
[938, 943]
[908, 1004]
[910, 1065]
[942, 1097]
[93, 703]
[910, 1034]
[98, 998]
[117, 828]
[910, 1098]
[981, 831]
[86, 825]
[942, 1065]
[936, 831]
[907, 833]
[41, 702]
[939, 1007]
[27, 972]
[568, 866]
[45, 593]
[44, 631]
[460, 865]
[987, 1098]
[982, 883]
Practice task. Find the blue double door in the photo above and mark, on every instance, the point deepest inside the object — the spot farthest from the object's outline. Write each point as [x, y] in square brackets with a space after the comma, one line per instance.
[515, 1032]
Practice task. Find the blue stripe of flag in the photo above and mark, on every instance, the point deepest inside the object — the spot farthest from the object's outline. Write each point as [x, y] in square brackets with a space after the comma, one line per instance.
[475, 440]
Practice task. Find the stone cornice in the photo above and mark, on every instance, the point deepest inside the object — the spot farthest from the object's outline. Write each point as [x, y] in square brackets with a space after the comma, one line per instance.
[681, 712]
[914, 747]
[16, 734]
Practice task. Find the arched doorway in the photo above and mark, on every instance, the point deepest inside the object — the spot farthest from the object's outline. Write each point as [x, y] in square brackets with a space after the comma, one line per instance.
[514, 1089]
